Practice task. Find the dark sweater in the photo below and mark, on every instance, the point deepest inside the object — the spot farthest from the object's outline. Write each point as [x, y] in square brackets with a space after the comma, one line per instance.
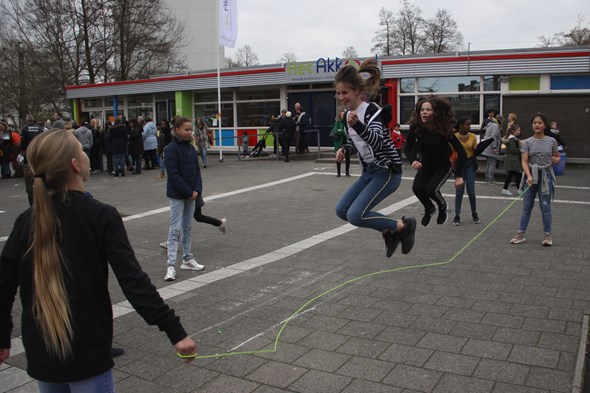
[91, 238]
[434, 149]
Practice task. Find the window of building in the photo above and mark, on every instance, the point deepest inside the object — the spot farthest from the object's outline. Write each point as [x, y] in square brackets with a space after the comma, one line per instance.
[570, 82]
[465, 106]
[248, 94]
[525, 83]
[211, 96]
[407, 85]
[256, 114]
[449, 84]
[490, 101]
[93, 103]
[209, 111]
[110, 102]
[491, 83]
[407, 105]
[134, 113]
[142, 100]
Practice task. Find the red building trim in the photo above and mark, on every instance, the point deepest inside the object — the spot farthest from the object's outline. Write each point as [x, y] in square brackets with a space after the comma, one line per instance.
[516, 56]
[179, 77]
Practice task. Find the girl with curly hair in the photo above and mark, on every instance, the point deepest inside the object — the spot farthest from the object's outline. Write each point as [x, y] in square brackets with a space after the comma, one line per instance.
[428, 148]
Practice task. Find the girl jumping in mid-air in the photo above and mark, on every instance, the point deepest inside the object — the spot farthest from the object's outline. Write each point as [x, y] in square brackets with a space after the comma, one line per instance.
[381, 164]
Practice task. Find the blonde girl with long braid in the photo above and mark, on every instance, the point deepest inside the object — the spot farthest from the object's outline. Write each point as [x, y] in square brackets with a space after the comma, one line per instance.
[59, 252]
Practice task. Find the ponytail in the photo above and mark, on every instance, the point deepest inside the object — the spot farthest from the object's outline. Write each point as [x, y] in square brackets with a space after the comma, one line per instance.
[50, 156]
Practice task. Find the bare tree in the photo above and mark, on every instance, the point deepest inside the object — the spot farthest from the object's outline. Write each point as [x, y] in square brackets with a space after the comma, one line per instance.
[287, 57]
[441, 33]
[410, 29]
[349, 53]
[577, 36]
[384, 38]
[245, 56]
[230, 62]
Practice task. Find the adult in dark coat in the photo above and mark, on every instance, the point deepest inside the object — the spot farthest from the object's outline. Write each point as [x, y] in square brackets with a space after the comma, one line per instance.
[287, 128]
[135, 145]
[117, 143]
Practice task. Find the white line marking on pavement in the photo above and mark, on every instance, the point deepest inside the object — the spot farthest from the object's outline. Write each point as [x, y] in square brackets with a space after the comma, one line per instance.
[514, 197]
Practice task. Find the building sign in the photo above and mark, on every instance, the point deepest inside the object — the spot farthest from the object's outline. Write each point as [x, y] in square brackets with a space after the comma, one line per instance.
[321, 70]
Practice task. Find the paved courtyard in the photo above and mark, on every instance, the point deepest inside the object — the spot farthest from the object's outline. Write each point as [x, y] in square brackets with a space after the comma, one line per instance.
[330, 311]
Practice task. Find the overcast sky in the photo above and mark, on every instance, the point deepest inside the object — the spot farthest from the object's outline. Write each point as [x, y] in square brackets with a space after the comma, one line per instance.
[324, 28]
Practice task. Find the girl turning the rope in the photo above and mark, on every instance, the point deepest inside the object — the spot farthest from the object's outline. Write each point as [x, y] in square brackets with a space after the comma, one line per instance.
[382, 166]
[59, 253]
[428, 148]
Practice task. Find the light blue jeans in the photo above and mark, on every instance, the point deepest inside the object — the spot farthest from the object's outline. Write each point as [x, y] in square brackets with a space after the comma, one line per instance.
[102, 383]
[181, 223]
[469, 183]
[203, 154]
[374, 185]
[528, 200]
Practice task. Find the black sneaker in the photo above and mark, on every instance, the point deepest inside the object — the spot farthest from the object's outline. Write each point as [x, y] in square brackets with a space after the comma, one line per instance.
[115, 352]
[475, 218]
[457, 221]
[442, 215]
[392, 240]
[427, 216]
[408, 234]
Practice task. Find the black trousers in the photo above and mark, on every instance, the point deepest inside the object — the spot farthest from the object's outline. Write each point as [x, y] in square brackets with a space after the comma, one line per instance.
[512, 174]
[427, 185]
[346, 163]
[285, 145]
[206, 219]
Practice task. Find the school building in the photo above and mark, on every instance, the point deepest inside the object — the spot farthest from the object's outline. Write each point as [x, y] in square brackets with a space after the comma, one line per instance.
[555, 81]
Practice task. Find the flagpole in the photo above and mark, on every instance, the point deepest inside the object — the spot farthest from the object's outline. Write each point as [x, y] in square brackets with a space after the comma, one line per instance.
[219, 88]
[219, 102]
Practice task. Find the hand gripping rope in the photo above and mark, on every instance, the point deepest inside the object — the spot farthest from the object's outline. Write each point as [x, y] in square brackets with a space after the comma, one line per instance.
[337, 287]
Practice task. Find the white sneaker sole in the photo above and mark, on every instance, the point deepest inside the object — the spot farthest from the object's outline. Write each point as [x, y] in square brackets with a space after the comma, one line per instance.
[186, 267]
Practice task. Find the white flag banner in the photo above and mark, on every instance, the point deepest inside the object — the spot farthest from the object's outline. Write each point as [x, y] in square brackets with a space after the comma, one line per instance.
[228, 22]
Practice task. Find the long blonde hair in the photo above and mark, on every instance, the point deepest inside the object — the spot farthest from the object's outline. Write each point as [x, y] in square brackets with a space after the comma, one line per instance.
[50, 155]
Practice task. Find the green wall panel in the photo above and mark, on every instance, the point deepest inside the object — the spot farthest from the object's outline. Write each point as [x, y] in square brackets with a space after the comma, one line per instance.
[525, 83]
[184, 104]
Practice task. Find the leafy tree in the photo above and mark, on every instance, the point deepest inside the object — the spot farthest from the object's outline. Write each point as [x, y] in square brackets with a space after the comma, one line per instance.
[287, 57]
[349, 53]
[245, 57]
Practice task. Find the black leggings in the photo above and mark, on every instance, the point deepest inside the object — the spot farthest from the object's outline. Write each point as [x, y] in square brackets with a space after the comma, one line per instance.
[346, 161]
[512, 174]
[427, 184]
[206, 219]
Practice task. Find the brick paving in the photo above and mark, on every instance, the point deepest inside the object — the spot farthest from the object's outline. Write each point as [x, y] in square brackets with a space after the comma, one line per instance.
[499, 318]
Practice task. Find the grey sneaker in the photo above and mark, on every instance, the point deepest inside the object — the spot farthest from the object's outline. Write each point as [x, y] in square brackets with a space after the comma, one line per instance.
[164, 245]
[222, 227]
[170, 274]
[518, 238]
[547, 241]
[191, 265]
[506, 192]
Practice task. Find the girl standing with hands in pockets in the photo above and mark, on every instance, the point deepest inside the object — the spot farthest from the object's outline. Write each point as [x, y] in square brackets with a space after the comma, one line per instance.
[539, 153]
[59, 253]
[381, 164]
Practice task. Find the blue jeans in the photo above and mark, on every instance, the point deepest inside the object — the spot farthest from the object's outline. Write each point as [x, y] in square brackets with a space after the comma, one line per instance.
[119, 162]
[528, 200]
[102, 383]
[368, 191]
[203, 154]
[469, 182]
[181, 223]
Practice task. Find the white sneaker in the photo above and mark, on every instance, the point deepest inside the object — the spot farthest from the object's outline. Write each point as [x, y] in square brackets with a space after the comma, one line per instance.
[164, 245]
[170, 274]
[191, 265]
[222, 226]
[506, 192]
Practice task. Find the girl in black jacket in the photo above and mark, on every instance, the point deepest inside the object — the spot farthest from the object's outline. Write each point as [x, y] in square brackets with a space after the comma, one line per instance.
[429, 145]
[59, 254]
